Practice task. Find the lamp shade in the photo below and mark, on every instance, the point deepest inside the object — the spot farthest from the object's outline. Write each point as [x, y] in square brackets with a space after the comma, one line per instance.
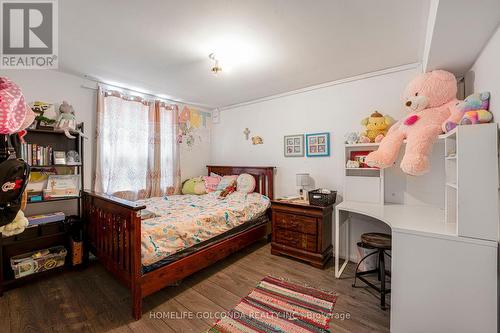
[303, 179]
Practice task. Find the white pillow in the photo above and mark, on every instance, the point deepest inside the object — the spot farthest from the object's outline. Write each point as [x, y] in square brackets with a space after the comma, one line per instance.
[245, 183]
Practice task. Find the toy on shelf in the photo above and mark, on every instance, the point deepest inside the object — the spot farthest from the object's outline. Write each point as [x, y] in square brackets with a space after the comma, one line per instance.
[352, 164]
[376, 127]
[429, 99]
[45, 114]
[66, 120]
[364, 139]
[351, 138]
[472, 110]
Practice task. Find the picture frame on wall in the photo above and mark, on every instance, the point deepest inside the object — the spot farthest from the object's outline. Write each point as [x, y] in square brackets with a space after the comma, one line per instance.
[294, 145]
[318, 144]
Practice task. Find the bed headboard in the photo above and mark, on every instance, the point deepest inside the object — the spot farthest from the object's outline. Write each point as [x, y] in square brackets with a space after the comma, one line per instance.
[264, 176]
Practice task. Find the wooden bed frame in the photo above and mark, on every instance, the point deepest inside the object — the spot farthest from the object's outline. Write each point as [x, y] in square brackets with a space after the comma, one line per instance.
[113, 235]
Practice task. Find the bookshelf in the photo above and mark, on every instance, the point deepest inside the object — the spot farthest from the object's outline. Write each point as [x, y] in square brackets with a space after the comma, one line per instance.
[365, 183]
[46, 235]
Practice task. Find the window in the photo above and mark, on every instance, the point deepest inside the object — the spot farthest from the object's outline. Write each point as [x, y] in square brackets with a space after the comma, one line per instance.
[136, 147]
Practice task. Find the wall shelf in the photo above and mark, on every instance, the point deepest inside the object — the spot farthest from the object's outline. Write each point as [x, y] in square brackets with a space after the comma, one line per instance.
[361, 145]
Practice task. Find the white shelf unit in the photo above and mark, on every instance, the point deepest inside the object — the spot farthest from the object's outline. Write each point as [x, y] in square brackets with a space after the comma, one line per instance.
[363, 184]
[471, 168]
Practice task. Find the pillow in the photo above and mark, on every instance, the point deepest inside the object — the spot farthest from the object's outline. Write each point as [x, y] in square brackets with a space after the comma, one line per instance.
[245, 183]
[225, 182]
[194, 186]
[211, 183]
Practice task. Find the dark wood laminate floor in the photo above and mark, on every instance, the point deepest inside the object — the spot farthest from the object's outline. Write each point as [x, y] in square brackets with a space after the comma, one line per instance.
[92, 301]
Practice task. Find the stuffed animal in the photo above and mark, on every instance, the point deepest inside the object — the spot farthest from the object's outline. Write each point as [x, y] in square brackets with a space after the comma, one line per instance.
[45, 113]
[376, 126]
[429, 100]
[15, 227]
[472, 110]
[351, 138]
[66, 120]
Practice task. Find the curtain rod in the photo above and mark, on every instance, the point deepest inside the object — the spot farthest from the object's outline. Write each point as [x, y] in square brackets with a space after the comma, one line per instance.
[96, 80]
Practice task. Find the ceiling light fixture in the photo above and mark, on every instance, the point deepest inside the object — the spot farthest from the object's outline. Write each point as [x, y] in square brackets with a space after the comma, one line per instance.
[216, 68]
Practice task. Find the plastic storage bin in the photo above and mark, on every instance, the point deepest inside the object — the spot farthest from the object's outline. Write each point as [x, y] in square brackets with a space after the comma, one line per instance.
[38, 261]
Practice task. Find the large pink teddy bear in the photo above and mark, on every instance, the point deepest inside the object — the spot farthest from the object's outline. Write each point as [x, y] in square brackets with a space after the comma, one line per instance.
[429, 99]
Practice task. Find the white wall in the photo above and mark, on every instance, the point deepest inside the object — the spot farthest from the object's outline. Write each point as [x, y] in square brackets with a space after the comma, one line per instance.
[485, 74]
[336, 109]
[54, 87]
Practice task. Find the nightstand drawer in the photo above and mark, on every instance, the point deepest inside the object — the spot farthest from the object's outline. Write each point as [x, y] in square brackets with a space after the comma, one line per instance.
[296, 239]
[299, 223]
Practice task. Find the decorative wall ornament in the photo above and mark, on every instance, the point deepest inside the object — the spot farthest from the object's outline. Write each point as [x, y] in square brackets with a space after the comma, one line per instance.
[318, 144]
[257, 140]
[294, 145]
[193, 126]
[247, 133]
[216, 116]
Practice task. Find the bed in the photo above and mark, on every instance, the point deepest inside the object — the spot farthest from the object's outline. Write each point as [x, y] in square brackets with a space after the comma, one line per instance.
[120, 240]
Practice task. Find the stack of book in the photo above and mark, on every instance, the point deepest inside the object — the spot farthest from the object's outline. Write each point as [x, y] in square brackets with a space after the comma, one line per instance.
[35, 154]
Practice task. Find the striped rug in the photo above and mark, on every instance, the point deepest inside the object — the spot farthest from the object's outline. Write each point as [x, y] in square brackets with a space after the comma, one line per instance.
[276, 305]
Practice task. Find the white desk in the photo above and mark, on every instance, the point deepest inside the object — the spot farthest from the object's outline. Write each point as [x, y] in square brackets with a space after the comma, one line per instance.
[439, 280]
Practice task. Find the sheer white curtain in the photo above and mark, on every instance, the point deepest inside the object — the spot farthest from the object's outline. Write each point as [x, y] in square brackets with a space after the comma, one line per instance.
[137, 155]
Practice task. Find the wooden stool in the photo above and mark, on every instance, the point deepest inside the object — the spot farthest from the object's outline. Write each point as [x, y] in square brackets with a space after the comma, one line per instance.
[380, 243]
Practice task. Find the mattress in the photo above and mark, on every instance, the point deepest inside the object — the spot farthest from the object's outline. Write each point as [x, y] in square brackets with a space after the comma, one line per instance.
[185, 221]
[261, 220]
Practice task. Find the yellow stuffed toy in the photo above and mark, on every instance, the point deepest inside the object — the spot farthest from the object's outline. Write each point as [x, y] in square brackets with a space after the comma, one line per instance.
[376, 127]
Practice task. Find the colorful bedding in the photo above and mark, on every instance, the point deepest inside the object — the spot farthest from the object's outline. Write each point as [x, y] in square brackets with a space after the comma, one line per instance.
[186, 220]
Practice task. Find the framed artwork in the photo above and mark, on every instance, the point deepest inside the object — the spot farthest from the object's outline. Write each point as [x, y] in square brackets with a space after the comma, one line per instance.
[318, 144]
[294, 145]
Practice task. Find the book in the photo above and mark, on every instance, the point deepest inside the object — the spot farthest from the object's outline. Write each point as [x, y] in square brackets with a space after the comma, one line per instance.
[36, 155]
[46, 218]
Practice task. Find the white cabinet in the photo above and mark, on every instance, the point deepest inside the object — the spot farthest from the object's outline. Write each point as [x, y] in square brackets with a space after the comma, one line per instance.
[471, 164]
[443, 285]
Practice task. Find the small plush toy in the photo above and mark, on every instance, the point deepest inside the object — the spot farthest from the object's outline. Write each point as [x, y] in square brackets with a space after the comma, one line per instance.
[364, 139]
[228, 190]
[429, 99]
[45, 113]
[351, 138]
[15, 227]
[66, 120]
[472, 110]
[376, 126]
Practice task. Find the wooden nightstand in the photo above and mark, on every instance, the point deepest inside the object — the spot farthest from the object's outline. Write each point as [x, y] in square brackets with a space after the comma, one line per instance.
[302, 231]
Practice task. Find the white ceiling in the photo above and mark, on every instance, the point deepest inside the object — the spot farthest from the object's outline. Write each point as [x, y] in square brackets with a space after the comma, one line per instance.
[461, 30]
[163, 46]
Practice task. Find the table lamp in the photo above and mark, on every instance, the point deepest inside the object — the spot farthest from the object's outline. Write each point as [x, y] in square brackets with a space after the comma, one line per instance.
[303, 180]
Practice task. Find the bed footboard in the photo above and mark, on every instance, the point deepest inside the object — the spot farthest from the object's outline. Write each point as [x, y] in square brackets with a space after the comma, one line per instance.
[113, 235]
